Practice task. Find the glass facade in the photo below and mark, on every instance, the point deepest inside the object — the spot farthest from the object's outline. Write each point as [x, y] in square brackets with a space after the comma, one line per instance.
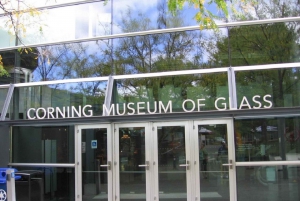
[47, 183]
[180, 93]
[268, 88]
[235, 46]
[52, 24]
[58, 101]
[42, 144]
[268, 183]
[273, 139]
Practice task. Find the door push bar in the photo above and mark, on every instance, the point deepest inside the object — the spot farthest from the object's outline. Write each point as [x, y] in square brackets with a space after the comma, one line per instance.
[187, 165]
[108, 165]
[145, 165]
[229, 164]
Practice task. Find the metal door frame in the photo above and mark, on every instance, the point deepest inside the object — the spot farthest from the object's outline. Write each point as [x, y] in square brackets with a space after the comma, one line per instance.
[189, 155]
[148, 157]
[151, 150]
[231, 155]
[78, 159]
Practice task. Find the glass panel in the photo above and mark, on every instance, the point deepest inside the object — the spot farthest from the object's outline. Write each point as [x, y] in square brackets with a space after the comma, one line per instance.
[129, 55]
[273, 139]
[268, 88]
[171, 154]
[19, 66]
[266, 9]
[33, 144]
[132, 154]
[3, 94]
[50, 183]
[7, 39]
[213, 153]
[171, 52]
[274, 183]
[83, 99]
[135, 14]
[52, 25]
[94, 157]
[59, 62]
[172, 94]
[261, 44]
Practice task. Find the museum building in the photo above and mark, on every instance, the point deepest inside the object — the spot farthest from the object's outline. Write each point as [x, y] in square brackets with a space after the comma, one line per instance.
[120, 100]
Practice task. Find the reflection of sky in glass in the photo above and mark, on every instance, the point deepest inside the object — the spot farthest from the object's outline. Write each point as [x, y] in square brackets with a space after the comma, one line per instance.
[6, 38]
[86, 88]
[94, 19]
[91, 59]
[62, 95]
[281, 84]
[72, 22]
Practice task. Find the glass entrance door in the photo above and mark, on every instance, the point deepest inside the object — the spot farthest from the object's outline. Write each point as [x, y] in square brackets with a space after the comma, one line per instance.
[95, 163]
[132, 147]
[172, 146]
[214, 149]
[181, 161]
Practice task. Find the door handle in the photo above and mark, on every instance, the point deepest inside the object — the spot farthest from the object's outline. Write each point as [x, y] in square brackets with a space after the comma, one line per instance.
[108, 165]
[229, 164]
[145, 165]
[187, 165]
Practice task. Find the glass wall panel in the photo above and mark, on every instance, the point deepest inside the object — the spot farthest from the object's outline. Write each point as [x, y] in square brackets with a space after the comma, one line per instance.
[266, 9]
[187, 93]
[77, 60]
[19, 65]
[72, 22]
[143, 15]
[170, 52]
[129, 55]
[268, 88]
[42, 144]
[60, 24]
[273, 139]
[3, 94]
[47, 183]
[7, 38]
[84, 99]
[262, 44]
[268, 183]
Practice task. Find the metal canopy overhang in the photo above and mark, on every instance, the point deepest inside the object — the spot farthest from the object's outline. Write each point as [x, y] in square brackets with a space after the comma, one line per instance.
[236, 114]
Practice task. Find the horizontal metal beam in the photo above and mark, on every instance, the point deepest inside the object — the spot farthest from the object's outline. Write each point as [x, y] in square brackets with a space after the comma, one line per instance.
[267, 163]
[156, 31]
[265, 67]
[158, 74]
[67, 165]
[61, 5]
[89, 79]
[236, 114]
